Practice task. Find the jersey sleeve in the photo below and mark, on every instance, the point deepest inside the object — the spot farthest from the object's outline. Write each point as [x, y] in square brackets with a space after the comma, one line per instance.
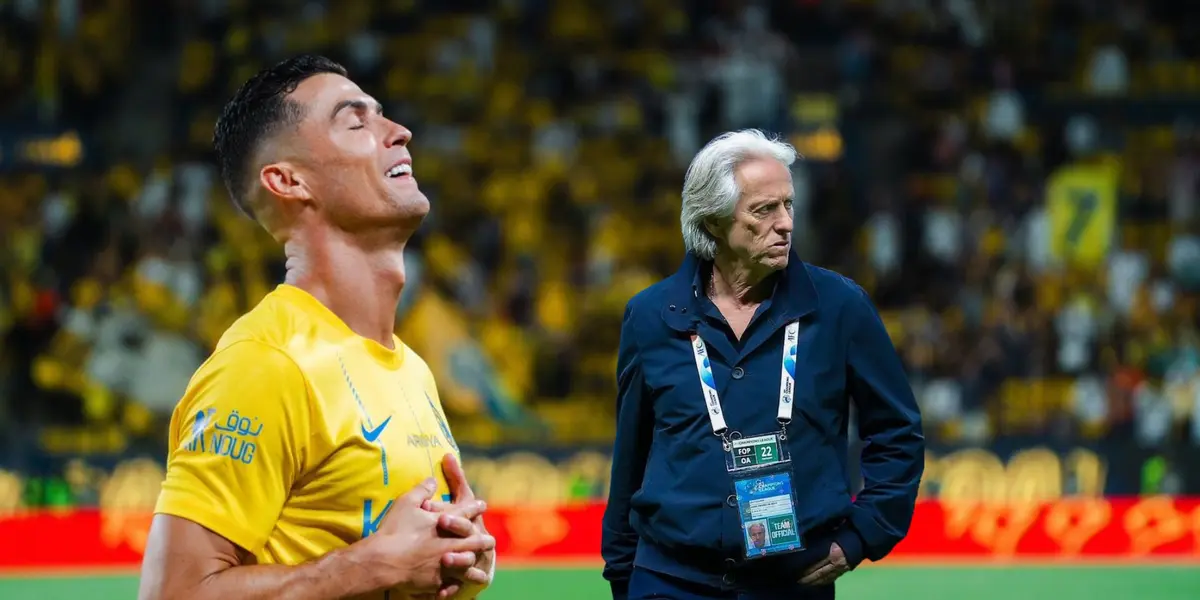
[237, 443]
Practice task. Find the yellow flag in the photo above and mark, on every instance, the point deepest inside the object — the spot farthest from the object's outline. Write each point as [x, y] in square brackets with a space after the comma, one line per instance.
[1081, 200]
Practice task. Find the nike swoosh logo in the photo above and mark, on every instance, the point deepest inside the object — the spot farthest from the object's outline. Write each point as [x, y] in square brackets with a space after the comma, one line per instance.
[373, 434]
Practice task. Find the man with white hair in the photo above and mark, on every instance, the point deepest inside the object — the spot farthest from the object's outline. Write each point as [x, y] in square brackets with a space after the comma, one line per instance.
[735, 377]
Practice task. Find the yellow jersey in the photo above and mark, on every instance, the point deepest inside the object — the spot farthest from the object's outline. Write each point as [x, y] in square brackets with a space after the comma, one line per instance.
[295, 436]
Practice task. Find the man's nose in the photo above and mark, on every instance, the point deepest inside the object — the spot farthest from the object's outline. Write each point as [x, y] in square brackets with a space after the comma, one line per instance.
[785, 223]
[398, 135]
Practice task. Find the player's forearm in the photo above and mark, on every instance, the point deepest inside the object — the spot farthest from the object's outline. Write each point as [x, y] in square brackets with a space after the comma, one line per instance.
[340, 574]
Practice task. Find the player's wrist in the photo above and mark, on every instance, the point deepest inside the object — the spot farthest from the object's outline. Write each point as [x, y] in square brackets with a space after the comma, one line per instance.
[364, 559]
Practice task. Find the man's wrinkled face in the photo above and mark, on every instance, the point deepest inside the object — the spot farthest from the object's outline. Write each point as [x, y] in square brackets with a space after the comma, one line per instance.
[760, 229]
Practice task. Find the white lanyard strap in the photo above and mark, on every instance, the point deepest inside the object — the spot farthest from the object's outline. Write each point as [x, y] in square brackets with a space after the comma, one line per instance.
[787, 383]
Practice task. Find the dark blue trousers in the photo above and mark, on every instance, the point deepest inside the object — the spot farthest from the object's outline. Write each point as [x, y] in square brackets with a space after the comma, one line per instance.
[649, 585]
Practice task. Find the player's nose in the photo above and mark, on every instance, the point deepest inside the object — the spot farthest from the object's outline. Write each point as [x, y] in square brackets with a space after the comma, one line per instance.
[397, 135]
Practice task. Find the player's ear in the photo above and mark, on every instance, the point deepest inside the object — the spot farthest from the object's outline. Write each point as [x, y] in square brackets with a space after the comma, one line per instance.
[284, 181]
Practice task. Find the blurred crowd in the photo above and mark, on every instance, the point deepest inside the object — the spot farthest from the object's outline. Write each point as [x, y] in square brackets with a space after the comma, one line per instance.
[1017, 184]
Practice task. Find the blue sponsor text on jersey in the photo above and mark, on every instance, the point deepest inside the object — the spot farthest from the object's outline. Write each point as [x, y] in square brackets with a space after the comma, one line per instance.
[232, 437]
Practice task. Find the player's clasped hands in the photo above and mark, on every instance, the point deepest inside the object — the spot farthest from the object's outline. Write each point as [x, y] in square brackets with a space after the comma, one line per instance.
[465, 506]
[429, 554]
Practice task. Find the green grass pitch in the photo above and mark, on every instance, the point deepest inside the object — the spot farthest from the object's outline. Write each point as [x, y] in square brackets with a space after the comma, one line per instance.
[1109, 582]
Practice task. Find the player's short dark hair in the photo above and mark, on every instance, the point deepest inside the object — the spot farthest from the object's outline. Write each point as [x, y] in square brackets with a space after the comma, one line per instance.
[258, 110]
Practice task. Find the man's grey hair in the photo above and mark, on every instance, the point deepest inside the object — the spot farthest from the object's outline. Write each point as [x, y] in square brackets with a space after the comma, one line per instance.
[710, 189]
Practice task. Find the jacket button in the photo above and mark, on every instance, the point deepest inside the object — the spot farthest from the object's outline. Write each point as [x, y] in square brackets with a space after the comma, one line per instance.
[731, 500]
[738, 373]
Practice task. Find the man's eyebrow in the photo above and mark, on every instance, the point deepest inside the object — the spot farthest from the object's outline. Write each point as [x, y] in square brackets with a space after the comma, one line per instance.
[356, 104]
[765, 200]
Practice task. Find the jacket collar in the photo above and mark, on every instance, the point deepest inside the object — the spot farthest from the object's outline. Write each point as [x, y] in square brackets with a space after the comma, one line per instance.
[795, 294]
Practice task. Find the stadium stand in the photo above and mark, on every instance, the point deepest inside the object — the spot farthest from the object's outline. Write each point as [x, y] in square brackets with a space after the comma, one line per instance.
[1018, 187]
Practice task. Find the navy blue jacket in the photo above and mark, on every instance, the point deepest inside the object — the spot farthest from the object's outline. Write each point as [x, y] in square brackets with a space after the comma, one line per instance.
[668, 508]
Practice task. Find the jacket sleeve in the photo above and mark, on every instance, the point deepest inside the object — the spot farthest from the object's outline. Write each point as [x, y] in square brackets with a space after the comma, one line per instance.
[635, 430]
[889, 422]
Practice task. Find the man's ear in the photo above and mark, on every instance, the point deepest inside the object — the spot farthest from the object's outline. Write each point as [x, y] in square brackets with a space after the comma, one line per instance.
[284, 181]
[713, 227]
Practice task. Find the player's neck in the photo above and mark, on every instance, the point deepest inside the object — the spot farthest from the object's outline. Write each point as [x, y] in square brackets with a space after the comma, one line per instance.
[358, 282]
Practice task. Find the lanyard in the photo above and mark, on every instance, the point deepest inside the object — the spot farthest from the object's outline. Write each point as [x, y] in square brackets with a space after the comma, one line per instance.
[787, 383]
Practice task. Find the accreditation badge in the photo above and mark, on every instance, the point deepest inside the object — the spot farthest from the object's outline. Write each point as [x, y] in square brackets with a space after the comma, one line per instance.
[761, 466]
[762, 483]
